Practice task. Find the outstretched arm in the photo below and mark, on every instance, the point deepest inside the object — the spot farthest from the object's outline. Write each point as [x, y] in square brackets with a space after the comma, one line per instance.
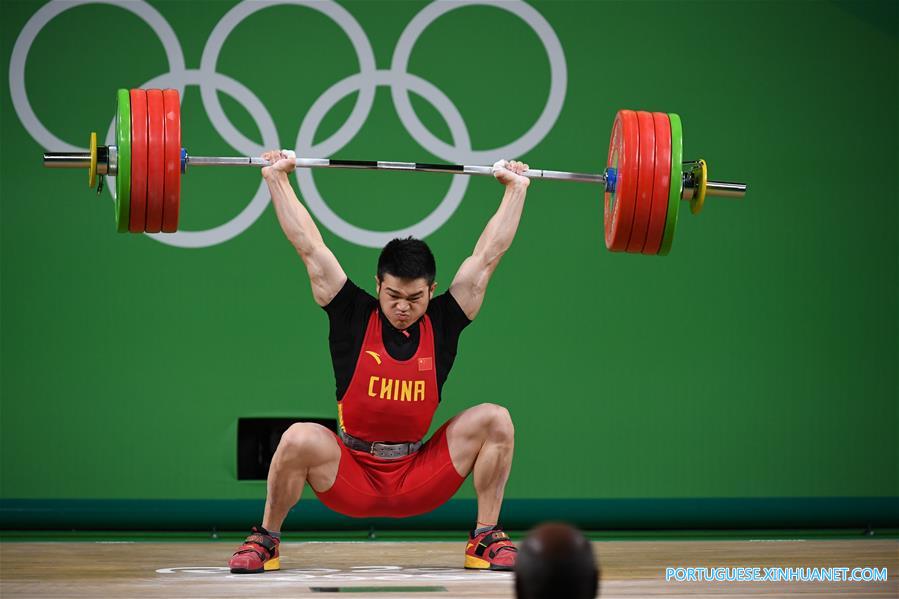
[470, 284]
[325, 273]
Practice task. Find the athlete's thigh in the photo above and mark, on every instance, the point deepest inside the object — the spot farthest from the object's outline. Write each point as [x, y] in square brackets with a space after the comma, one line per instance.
[322, 473]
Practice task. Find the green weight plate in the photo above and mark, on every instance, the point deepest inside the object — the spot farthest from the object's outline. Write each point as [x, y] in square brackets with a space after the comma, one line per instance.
[123, 176]
[677, 155]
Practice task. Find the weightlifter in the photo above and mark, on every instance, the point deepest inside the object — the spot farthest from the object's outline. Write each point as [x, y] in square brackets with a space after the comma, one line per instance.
[391, 355]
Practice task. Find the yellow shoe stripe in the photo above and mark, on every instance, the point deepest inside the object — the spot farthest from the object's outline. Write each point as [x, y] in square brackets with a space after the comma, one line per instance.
[476, 563]
[272, 564]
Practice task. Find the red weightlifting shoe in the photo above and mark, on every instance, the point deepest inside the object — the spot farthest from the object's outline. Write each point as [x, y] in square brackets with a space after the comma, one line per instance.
[259, 553]
[491, 550]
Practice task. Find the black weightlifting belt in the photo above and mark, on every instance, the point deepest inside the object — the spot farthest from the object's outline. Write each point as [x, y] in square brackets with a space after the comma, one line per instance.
[387, 451]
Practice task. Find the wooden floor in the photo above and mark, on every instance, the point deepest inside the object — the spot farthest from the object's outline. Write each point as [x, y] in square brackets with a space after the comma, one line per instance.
[630, 569]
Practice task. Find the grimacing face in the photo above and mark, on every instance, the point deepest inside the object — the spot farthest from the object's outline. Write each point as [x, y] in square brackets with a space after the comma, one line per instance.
[403, 301]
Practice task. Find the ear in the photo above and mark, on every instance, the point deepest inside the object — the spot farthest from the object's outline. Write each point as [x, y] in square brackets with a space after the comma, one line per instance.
[431, 290]
[377, 284]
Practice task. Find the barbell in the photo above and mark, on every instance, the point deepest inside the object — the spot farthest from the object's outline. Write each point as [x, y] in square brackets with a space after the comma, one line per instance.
[644, 180]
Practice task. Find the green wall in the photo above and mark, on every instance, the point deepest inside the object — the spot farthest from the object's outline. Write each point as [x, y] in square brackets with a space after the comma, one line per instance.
[757, 362]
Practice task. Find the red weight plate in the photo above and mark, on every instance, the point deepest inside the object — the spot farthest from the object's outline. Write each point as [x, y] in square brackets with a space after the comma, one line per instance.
[138, 161]
[624, 155]
[645, 177]
[155, 159]
[662, 184]
[172, 192]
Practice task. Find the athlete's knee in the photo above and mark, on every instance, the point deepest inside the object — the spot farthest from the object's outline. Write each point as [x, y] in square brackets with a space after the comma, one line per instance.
[498, 423]
[306, 441]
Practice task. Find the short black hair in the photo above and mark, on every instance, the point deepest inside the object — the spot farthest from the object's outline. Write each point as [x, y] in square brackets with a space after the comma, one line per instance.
[556, 560]
[407, 258]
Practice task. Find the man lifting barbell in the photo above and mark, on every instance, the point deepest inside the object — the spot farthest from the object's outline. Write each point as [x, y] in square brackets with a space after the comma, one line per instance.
[392, 353]
[391, 356]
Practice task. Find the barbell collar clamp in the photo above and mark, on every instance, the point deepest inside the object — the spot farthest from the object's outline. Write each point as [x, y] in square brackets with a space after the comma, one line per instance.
[113, 166]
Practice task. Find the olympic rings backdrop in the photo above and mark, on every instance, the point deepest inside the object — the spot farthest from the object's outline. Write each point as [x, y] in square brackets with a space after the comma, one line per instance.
[748, 378]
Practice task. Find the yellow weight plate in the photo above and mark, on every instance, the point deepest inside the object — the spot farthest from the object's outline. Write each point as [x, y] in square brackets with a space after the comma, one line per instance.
[92, 170]
[702, 176]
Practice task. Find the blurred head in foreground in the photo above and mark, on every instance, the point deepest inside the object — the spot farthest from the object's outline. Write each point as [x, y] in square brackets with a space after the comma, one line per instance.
[556, 560]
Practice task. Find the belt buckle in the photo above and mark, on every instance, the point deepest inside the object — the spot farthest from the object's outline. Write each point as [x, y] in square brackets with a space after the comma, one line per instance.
[393, 449]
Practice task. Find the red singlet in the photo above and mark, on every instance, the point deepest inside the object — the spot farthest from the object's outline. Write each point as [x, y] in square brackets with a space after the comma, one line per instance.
[392, 401]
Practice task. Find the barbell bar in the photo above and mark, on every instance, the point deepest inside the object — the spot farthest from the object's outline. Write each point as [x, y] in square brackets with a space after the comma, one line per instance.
[644, 179]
